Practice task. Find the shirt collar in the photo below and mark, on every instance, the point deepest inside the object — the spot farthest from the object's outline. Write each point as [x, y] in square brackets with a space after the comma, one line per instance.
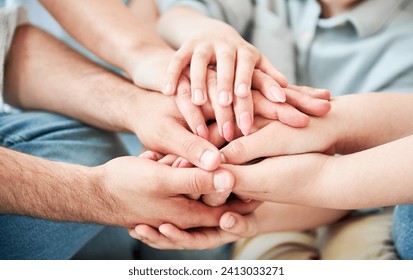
[368, 17]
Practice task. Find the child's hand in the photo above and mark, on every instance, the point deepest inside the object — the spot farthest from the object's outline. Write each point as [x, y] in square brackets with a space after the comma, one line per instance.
[235, 59]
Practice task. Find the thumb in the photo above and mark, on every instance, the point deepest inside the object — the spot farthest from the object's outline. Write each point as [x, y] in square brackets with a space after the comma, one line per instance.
[194, 148]
[197, 181]
[245, 226]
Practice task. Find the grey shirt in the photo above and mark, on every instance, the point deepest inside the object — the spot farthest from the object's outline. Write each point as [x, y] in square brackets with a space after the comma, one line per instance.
[367, 49]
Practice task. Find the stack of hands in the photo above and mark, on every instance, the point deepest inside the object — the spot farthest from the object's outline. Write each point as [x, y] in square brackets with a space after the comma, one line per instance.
[242, 109]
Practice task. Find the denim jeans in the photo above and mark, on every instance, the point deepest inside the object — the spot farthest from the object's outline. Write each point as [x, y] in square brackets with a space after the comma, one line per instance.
[58, 138]
[403, 231]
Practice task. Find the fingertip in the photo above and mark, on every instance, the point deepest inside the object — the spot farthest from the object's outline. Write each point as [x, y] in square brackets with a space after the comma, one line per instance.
[202, 131]
[224, 98]
[228, 131]
[224, 181]
[210, 159]
[227, 221]
[199, 97]
[168, 89]
[242, 90]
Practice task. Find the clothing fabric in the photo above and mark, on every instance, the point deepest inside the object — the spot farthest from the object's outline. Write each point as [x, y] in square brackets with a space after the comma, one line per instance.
[367, 49]
[55, 138]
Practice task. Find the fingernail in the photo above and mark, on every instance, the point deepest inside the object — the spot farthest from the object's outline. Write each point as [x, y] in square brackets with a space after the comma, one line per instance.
[228, 131]
[184, 163]
[209, 159]
[198, 96]
[223, 159]
[202, 131]
[168, 89]
[177, 162]
[228, 222]
[245, 123]
[222, 181]
[278, 94]
[223, 98]
[242, 90]
[148, 155]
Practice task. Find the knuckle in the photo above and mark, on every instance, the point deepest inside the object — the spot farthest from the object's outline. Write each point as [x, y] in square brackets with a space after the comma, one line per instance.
[196, 183]
[211, 78]
[236, 148]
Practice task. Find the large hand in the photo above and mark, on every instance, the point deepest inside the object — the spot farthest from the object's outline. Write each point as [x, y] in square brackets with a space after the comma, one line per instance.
[232, 227]
[156, 120]
[139, 191]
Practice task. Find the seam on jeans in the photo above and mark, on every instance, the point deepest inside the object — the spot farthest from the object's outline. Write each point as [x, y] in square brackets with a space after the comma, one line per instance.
[7, 140]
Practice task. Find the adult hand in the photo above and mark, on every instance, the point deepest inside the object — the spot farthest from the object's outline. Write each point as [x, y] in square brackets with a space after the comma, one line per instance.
[232, 227]
[156, 120]
[141, 191]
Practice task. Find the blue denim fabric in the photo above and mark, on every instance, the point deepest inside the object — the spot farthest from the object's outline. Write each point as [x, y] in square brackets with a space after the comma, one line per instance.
[403, 231]
[56, 138]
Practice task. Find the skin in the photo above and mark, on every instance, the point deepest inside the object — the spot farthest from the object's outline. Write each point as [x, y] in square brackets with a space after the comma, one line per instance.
[364, 176]
[41, 73]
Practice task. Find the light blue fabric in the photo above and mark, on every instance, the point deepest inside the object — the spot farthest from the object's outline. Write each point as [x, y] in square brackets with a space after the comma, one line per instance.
[56, 138]
[403, 231]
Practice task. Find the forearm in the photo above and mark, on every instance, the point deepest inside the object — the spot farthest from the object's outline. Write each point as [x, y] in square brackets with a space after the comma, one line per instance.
[36, 187]
[42, 73]
[368, 120]
[108, 29]
[379, 176]
[286, 217]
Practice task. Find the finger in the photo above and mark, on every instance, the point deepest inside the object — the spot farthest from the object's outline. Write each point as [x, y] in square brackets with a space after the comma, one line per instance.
[151, 155]
[198, 239]
[266, 66]
[191, 112]
[168, 159]
[178, 63]
[246, 60]
[307, 103]
[216, 199]
[214, 137]
[279, 111]
[223, 115]
[199, 65]
[268, 87]
[155, 238]
[315, 92]
[245, 226]
[196, 181]
[259, 144]
[225, 76]
[193, 148]
[244, 113]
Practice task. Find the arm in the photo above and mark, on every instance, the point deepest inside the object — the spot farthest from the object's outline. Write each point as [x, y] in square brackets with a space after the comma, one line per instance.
[116, 193]
[356, 122]
[379, 176]
[42, 73]
[103, 28]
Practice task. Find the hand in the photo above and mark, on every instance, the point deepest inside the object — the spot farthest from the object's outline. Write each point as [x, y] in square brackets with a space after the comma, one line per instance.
[155, 119]
[140, 191]
[232, 227]
[294, 179]
[275, 139]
